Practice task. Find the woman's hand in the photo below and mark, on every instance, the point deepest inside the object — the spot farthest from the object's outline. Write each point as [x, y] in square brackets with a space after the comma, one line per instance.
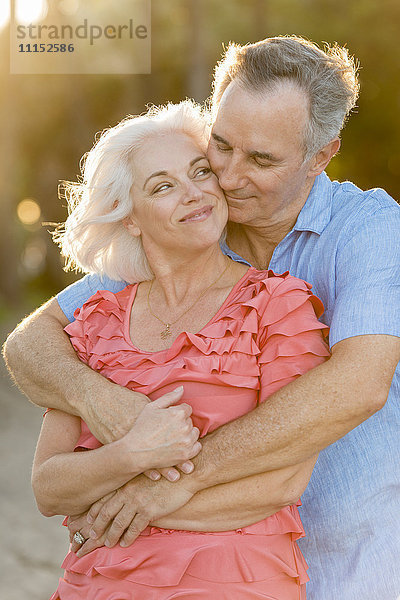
[163, 435]
[122, 515]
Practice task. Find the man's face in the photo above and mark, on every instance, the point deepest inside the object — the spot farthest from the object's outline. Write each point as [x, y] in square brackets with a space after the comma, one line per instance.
[256, 150]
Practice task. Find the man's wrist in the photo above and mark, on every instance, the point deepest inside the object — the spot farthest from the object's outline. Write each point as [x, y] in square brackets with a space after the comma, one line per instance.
[82, 389]
[194, 482]
[204, 474]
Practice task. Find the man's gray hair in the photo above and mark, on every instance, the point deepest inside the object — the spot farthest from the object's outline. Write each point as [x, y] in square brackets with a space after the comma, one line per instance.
[94, 238]
[328, 78]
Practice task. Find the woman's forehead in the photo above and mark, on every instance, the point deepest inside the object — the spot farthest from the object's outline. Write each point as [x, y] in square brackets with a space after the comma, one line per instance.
[167, 151]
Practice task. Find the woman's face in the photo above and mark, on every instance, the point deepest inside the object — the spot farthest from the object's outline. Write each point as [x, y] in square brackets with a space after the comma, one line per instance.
[177, 202]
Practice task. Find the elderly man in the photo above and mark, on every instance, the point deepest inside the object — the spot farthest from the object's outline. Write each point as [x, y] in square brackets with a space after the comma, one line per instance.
[279, 106]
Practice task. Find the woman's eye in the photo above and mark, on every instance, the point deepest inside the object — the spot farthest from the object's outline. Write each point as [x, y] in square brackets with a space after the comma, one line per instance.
[223, 148]
[203, 171]
[161, 188]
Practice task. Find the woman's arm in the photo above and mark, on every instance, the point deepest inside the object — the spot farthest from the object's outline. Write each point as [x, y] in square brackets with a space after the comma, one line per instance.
[68, 482]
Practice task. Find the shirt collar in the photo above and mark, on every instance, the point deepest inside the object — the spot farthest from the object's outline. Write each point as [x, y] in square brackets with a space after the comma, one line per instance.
[316, 212]
[228, 252]
[314, 216]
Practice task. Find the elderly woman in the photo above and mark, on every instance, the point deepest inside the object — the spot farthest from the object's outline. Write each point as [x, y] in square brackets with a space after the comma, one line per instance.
[150, 212]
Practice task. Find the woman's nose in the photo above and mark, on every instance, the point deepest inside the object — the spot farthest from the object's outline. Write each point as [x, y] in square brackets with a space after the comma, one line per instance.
[192, 192]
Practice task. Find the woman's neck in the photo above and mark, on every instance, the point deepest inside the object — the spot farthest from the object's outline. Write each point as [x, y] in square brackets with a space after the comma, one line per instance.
[181, 277]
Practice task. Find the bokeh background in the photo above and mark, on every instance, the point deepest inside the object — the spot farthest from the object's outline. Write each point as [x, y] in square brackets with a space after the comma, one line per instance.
[49, 121]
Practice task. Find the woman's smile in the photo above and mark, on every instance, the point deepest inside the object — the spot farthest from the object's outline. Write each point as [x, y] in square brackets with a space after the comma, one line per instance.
[201, 214]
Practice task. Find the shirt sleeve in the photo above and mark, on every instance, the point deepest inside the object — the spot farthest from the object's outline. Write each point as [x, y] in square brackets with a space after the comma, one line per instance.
[75, 295]
[367, 292]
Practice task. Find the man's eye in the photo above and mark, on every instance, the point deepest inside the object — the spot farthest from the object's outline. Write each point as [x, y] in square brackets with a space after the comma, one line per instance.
[261, 163]
[223, 148]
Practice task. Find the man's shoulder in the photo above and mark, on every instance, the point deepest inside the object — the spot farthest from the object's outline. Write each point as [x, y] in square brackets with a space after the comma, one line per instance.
[349, 198]
[76, 294]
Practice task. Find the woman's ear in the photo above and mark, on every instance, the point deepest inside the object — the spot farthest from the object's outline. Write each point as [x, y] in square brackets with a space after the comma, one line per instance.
[131, 225]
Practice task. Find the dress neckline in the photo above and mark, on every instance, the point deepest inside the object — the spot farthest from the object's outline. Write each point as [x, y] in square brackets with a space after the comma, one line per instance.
[128, 311]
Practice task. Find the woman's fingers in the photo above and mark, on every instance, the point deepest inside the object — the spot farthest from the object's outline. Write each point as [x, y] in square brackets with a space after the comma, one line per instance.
[169, 399]
[153, 474]
[195, 434]
[97, 506]
[139, 523]
[107, 513]
[186, 467]
[90, 545]
[78, 525]
[196, 449]
[119, 525]
[171, 473]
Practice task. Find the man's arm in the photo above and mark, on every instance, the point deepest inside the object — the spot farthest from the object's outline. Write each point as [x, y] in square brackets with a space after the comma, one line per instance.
[242, 502]
[305, 416]
[46, 368]
[221, 508]
[288, 429]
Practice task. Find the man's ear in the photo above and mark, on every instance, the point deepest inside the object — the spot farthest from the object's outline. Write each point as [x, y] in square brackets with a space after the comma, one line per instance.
[131, 225]
[322, 158]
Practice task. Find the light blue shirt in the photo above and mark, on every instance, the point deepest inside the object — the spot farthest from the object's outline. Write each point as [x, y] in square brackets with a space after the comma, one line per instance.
[346, 243]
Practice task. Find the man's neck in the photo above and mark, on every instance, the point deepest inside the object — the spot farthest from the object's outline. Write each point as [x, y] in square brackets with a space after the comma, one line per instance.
[256, 244]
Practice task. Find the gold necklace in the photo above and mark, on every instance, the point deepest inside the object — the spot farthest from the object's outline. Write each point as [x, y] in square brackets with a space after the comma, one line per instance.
[167, 331]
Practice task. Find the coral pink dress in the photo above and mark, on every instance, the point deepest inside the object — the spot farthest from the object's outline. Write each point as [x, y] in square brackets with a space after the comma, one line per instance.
[265, 334]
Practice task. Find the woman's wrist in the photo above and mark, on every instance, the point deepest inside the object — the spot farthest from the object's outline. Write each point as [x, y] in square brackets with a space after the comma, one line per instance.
[133, 460]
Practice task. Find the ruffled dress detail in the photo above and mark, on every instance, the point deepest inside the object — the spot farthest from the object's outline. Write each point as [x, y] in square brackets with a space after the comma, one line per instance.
[264, 335]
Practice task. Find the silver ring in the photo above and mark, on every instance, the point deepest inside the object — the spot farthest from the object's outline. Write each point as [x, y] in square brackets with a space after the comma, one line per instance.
[78, 538]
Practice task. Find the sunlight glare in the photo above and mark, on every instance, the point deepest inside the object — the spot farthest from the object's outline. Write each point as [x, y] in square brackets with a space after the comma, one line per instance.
[28, 211]
[68, 7]
[30, 11]
[4, 12]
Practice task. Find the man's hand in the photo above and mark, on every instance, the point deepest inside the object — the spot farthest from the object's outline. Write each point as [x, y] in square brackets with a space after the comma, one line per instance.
[129, 511]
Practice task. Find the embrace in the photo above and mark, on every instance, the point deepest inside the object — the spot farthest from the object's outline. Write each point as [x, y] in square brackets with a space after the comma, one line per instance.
[193, 395]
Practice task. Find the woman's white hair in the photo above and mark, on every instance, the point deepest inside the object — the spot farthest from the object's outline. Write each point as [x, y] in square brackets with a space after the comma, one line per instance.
[94, 238]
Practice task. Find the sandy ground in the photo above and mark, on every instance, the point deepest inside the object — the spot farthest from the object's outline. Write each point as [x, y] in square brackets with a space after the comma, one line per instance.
[32, 547]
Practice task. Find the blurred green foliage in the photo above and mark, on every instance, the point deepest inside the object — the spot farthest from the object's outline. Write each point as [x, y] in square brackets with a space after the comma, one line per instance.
[49, 122]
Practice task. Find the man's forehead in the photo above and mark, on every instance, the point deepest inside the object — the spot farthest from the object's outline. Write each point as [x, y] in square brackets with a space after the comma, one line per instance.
[239, 98]
[257, 115]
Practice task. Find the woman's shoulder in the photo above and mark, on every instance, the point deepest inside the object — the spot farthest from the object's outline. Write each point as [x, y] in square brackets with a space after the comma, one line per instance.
[273, 296]
[102, 316]
[267, 283]
[104, 301]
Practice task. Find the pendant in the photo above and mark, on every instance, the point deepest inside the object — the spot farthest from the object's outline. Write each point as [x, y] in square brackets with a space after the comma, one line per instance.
[166, 333]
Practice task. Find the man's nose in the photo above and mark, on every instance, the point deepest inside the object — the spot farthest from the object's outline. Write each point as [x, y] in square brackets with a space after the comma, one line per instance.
[230, 175]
